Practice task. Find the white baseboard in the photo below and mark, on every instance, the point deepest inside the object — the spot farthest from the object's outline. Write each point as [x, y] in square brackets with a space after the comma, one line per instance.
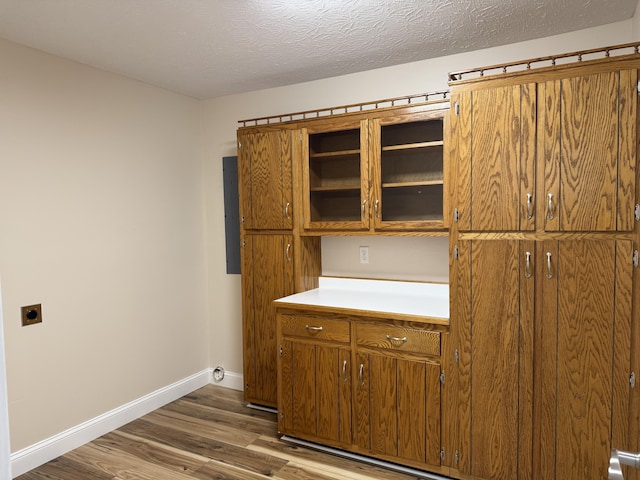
[39, 453]
[231, 380]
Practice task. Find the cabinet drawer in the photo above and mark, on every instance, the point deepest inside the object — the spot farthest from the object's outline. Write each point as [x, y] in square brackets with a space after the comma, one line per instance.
[316, 327]
[393, 337]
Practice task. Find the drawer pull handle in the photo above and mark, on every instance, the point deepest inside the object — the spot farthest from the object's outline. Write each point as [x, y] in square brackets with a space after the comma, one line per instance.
[313, 329]
[397, 339]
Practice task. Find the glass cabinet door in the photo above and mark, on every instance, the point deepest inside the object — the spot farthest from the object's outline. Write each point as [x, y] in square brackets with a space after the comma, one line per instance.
[336, 179]
[409, 174]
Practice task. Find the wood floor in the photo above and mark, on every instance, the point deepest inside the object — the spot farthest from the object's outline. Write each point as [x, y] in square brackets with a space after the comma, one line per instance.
[208, 434]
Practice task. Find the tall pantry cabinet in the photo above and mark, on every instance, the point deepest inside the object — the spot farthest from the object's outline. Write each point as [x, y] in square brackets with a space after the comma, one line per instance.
[269, 250]
[544, 277]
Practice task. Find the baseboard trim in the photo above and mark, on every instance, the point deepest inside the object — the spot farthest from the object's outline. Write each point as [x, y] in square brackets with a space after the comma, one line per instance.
[39, 453]
[231, 380]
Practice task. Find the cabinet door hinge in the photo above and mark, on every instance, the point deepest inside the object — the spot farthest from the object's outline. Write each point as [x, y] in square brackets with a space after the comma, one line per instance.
[456, 253]
[456, 108]
[456, 215]
[442, 454]
[638, 87]
[442, 377]
[635, 258]
[280, 350]
[242, 220]
[636, 212]
[457, 457]
[456, 355]
[632, 380]
[239, 144]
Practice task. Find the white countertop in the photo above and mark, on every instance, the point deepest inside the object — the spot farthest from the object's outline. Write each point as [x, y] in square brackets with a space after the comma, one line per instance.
[380, 296]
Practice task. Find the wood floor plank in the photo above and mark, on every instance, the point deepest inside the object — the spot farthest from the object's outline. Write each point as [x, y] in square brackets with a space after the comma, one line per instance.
[151, 452]
[215, 431]
[63, 468]
[221, 471]
[237, 420]
[207, 447]
[122, 465]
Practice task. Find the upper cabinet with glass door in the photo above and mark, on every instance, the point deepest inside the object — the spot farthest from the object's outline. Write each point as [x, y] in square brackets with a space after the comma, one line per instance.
[336, 176]
[379, 171]
[408, 171]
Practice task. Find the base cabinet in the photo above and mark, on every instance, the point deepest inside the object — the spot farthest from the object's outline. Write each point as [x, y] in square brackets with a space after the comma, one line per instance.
[398, 408]
[545, 342]
[369, 386]
[315, 379]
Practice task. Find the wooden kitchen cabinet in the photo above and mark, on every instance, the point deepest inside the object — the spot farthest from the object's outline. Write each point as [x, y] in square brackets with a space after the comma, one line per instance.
[267, 274]
[585, 127]
[493, 284]
[583, 329]
[560, 417]
[493, 149]
[588, 136]
[381, 172]
[265, 180]
[408, 169]
[542, 274]
[336, 176]
[315, 378]
[369, 386]
[397, 396]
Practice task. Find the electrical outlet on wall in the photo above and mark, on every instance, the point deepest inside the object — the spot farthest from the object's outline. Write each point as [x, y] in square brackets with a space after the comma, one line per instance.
[364, 254]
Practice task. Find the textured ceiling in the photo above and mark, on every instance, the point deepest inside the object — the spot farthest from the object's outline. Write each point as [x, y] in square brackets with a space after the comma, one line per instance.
[209, 48]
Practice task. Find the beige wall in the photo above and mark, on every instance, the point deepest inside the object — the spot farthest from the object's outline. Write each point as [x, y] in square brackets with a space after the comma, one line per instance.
[101, 221]
[340, 255]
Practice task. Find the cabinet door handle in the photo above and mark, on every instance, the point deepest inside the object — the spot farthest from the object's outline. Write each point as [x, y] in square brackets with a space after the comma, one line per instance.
[549, 271]
[288, 252]
[313, 329]
[376, 208]
[361, 374]
[529, 206]
[286, 211]
[527, 266]
[397, 339]
[550, 206]
[344, 371]
[364, 203]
